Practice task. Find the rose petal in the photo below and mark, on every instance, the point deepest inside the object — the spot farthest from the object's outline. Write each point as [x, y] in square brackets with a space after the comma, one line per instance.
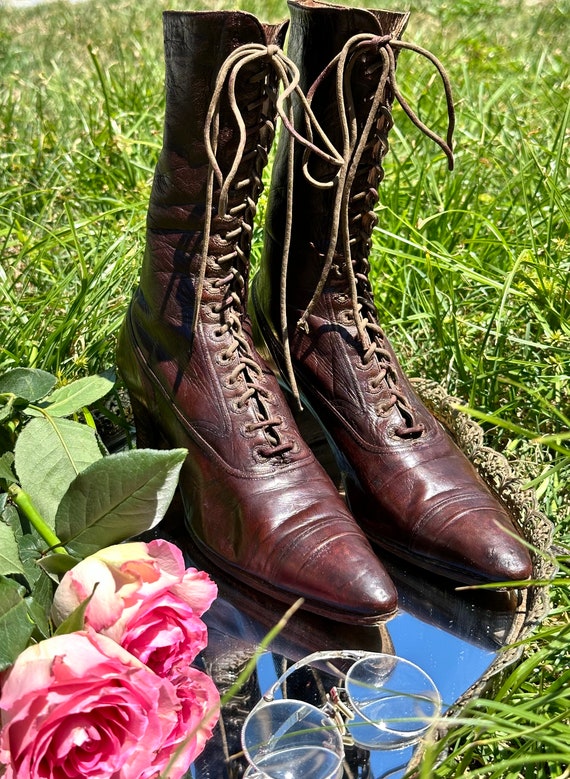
[197, 717]
[197, 589]
[79, 705]
[78, 584]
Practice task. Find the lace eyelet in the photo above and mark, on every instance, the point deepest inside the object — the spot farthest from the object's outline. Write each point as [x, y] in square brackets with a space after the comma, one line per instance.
[360, 365]
[295, 448]
[259, 453]
[375, 389]
[207, 313]
[345, 318]
[222, 358]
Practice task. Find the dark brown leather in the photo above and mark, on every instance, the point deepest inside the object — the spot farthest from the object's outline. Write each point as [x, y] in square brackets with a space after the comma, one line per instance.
[259, 506]
[410, 487]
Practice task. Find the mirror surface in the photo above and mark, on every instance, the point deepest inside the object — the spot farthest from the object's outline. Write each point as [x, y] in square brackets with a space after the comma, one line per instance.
[452, 635]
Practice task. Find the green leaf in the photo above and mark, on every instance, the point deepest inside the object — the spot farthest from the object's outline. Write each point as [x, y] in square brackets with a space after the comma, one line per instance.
[49, 455]
[28, 383]
[15, 627]
[6, 471]
[7, 408]
[31, 549]
[76, 620]
[11, 518]
[116, 498]
[9, 514]
[37, 614]
[67, 400]
[39, 604]
[7, 438]
[57, 564]
[9, 558]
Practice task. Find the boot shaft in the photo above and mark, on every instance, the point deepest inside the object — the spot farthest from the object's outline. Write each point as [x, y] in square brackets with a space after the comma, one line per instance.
[197, 46]
[318, 33]
[347, 59]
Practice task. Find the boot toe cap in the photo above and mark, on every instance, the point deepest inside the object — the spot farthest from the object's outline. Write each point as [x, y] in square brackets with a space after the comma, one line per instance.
[496, 552]
[363, 587]
[339, 575]
[476, 544]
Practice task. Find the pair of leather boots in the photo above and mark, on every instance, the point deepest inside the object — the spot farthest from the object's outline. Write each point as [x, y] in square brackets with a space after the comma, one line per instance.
[259, 507]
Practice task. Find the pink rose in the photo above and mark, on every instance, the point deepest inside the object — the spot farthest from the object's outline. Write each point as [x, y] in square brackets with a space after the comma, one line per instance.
[198, 713]
[79, 705]
[145, 600]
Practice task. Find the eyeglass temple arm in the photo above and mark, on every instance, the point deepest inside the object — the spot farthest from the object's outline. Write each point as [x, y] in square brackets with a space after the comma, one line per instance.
[342, 654]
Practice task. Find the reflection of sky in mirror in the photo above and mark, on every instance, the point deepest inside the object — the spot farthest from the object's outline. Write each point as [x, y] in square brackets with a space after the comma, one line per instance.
[453, 664]
[454, 639]
[452, 635]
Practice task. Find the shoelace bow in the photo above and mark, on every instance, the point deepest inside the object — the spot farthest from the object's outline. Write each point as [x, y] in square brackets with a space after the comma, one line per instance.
[354, 143]
[287, 74]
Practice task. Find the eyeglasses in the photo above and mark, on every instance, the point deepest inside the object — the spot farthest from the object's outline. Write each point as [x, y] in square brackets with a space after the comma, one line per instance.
[380, 702]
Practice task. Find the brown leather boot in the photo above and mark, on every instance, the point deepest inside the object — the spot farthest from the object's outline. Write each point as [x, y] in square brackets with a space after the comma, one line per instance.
[410, 487]
[259, 506]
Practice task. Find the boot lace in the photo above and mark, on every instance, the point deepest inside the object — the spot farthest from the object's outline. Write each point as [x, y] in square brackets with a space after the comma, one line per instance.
[356, 192]
[230, 220]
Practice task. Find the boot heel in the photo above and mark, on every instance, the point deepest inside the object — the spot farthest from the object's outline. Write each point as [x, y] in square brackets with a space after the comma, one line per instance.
[141, 392]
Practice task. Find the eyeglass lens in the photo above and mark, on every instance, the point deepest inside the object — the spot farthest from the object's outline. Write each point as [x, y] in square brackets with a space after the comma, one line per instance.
[395, 702]
[287, 739]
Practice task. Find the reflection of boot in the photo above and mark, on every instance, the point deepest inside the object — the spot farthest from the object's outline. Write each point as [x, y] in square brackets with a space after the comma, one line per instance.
[221, 758]
[259, 506]
[245, 623]
[411, 489]
[489, 619]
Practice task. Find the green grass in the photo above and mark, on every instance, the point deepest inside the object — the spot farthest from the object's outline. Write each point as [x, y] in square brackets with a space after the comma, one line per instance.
[470, 269]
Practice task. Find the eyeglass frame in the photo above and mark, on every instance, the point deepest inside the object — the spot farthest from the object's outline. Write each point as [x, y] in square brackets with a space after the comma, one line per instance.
[337, 710]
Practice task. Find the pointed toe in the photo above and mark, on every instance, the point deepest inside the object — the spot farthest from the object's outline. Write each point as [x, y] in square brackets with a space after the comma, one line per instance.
[469, 538]
[361, 586]
[319, 553]
[502, 556]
